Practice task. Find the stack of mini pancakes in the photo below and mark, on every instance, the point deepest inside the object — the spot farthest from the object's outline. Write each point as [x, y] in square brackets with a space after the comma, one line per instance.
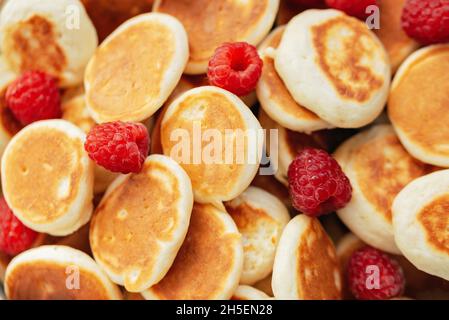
[187, 228]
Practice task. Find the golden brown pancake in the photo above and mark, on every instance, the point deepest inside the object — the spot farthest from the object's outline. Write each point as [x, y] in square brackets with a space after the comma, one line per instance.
[306, 265]
[107, 15]
[47, 177]
[141, 222]
[209, 24]
[136, 68]
[223, 176]
[378, 167]
[57, 273]
[393, 37]
[276, 100]
[418, 107]
[209, 263]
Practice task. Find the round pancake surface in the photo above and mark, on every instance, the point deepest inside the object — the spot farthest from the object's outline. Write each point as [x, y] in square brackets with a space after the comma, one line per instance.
[211, 132]
[209, 263]
[421, 223]
[306, 265]
[57, 273]
[136, 68]
[418, 107]
[378, 167]
[47, 177]
[141, 223]
[209, 24]
[335, 66]
[249, 293]
[45, 35]
[391, 34]
[276, 100]
[260, 218]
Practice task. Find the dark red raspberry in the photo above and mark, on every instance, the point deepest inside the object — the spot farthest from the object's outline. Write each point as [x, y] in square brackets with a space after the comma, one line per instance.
[373, 275]
[15, 237]
[235, 67]
[355, 8]
[118, 146]
[426, 21]
[317, 184]
[308, 3]
[34, 96]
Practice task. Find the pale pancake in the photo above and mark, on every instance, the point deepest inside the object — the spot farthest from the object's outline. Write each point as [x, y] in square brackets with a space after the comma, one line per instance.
[74, 110]
[391, 34]
[260, 218]
[249, 293]
[209, 24]
[274, 97]
[47, 177]
[141, 223]
[209, 263]
[418, 284]
[220, 162]
[378, 167]
[306, 265]
[51, 273]
[46, 35]
[287, 145]
[421, 224]
[136, 68]
[107, 15]
[335, 66]
[418, 107]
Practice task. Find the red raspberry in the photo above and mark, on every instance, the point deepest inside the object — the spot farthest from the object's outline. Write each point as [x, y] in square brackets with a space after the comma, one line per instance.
[373, 275]
[34, 96]
[118, 146]
[355, 8]
[15, 237]
[317, 184]
[235, 67]
[426, 21]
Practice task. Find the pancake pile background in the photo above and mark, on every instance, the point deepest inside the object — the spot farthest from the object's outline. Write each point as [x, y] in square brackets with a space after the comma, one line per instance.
[124, 174]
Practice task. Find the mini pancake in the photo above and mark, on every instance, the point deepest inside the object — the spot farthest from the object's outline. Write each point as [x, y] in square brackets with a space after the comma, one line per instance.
[107, 15]
[260, 218]
[421, 224]
[50, 273]
[9, 126]
[47, 177]
[276, 100]
[350, 67]
[46, 35]
[141, 223]
[249, 293]
[74, 110]
[209, 24]
[136, 68]
[287, 145]
[391, 34]
[209, 263]
[221, 162]
[378, 167]
[306, 265]
[418, 284]
[417, 107]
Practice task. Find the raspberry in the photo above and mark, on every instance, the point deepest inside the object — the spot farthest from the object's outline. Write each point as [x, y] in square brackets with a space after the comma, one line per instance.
[373, 275]
[317, 184]
[426, 21]
[15, 237]
[34, 96]
[235, 67]
[118, 146]
[355, 8]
